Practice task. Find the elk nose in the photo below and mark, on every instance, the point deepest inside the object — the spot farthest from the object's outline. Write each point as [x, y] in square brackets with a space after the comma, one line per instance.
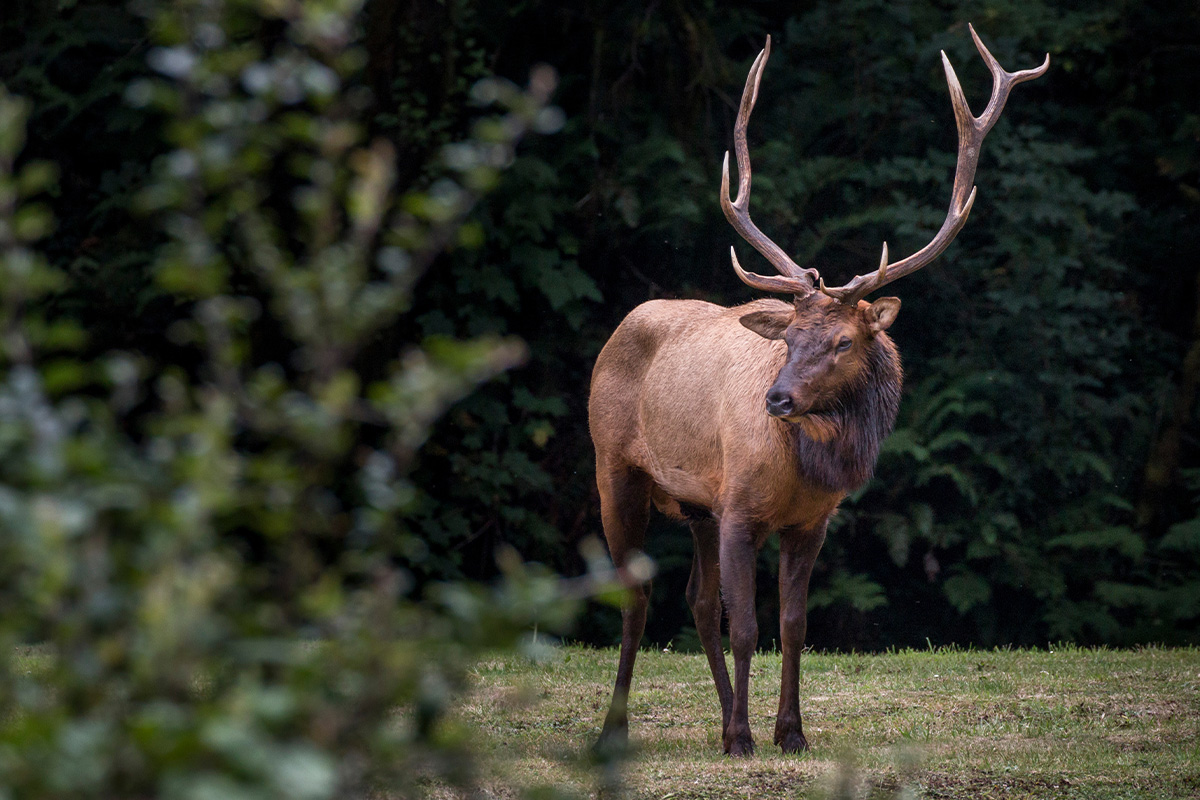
[779, 403]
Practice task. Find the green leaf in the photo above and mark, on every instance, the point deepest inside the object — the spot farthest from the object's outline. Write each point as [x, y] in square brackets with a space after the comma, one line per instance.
[1119, 538]
[853, 589]
[1182, 537]
[965, 590]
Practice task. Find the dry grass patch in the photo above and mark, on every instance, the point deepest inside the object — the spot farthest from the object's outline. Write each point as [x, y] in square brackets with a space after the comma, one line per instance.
[1066, 723]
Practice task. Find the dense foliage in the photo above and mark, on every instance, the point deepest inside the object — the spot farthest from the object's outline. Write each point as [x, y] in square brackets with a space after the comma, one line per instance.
[1042, 482]
[201, 549]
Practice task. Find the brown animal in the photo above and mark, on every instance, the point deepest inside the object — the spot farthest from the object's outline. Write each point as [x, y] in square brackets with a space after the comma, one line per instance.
[677, 417]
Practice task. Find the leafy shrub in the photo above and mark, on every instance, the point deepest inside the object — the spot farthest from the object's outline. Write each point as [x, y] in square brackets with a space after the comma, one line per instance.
[200, 560]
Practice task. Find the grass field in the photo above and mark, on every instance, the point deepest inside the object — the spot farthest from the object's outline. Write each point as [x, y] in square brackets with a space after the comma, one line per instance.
[1061, 723]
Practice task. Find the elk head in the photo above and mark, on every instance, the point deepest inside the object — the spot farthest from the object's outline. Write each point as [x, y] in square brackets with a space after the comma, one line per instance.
[829, 331]
[828, 354]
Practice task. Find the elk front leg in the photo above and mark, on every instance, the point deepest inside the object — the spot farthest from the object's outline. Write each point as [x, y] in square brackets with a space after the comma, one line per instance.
[798, 548]
[739, 550]
[704, 598]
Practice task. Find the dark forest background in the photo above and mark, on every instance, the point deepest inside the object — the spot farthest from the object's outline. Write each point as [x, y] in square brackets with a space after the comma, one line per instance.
[1043, 482]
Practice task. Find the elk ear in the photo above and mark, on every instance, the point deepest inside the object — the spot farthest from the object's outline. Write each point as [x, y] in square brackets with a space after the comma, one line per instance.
[768, 324]
[882, 313]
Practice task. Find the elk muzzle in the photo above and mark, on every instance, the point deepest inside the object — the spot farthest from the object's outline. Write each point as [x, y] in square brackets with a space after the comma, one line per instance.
[779, 403]
[782, 404]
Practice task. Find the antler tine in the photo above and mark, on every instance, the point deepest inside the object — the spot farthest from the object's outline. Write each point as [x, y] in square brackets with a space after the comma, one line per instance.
[1002, 82]
[793, 278]
[971, 131]
[839, 291]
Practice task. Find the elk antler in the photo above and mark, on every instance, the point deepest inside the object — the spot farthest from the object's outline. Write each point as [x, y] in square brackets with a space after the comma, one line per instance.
[793, 279]
[971, 131]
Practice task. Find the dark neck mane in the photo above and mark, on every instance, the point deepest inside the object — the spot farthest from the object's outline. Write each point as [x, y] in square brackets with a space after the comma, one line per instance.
[863, 416]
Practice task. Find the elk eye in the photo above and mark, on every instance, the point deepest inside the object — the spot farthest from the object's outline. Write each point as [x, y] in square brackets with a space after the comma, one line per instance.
[844, 345]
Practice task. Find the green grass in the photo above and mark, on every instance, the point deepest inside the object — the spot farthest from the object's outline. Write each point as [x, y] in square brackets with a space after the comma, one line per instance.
[1061, 723]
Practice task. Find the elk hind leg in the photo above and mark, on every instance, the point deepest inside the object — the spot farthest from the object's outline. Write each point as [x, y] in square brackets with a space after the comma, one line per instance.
[624, 511]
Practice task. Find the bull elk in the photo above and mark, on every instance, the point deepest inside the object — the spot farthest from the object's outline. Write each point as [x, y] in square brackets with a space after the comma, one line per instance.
[676, 412]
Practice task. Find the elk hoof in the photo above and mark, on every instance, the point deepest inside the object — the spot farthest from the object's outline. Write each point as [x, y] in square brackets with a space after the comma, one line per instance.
[739, 745]
[792, 742]
[613, 742]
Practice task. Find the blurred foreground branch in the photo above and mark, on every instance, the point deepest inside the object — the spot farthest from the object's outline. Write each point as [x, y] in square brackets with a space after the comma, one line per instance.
[204, 551]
